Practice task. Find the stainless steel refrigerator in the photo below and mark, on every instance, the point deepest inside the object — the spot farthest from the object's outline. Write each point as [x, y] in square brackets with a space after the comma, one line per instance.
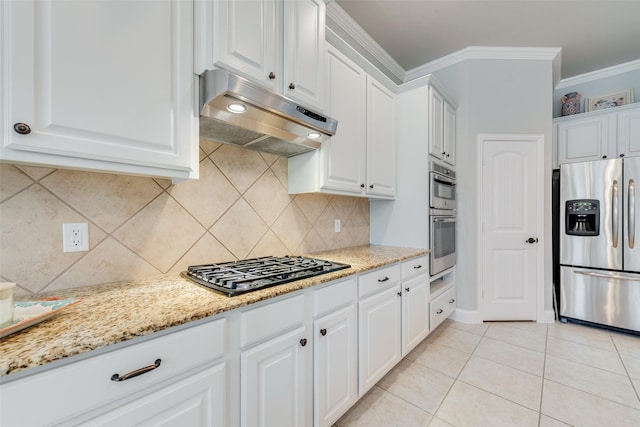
[599, 249]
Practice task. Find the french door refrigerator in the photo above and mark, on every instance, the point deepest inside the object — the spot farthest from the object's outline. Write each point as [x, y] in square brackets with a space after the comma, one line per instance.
[599, 249]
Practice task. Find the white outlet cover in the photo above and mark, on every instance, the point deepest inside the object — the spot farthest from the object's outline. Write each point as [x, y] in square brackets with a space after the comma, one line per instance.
[337, 225]
[75, 237]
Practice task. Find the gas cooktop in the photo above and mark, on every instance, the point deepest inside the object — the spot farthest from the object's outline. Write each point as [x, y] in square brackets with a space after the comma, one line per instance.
[237, 277]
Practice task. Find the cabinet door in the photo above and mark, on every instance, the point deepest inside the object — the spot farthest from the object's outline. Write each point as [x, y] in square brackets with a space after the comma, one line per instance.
[198, 400]
[378, 336]
[102, 85]
[276, 382]
[449, 134]
[584, 139]
[343, 155]
[629, 132]
[247, 39]
[435, 119]
[415, 312]
[335, 365]
[304, 51]
[381, 146]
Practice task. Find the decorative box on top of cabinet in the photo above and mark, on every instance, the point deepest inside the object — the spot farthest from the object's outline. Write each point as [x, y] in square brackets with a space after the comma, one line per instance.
[278, 44]
[597, 135]
[104, 86]
[360, 160]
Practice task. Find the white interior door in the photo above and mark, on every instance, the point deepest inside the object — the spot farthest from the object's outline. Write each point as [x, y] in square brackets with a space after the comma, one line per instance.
[511, 207]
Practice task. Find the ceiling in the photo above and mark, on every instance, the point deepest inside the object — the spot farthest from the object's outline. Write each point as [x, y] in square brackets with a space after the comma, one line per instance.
[593, 34]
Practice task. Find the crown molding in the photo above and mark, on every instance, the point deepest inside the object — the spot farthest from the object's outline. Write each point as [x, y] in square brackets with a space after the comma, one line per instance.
[346, 28]
[483, 52]
[599, 74]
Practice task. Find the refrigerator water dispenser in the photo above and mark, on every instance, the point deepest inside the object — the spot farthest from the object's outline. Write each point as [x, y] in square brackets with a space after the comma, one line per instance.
[582, 217]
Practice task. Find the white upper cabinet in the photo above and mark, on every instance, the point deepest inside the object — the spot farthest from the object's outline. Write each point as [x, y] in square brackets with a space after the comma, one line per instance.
[360, 159]
[629, 132]
[105, 86]
[279, 44]
[598, 135]
[442, 127]
[381, 147]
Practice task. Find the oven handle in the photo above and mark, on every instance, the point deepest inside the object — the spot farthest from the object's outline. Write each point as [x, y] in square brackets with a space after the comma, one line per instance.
[443, 180]
[444, 219]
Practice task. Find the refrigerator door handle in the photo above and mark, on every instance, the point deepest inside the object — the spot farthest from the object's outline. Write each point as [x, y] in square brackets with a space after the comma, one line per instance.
[631, 218]
[615, 220]
[607, 276]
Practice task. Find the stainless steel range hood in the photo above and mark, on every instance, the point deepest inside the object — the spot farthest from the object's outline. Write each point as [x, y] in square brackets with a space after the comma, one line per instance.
[267, 122]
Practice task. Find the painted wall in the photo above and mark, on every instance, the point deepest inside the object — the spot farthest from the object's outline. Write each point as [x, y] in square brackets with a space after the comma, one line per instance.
[496, 97]
[142, 227]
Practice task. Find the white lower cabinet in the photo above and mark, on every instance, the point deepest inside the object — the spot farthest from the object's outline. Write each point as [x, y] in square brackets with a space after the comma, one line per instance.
[443, 299]
[415, 312]
[275, 382]
[197, 401]
[77, 393]
[275, 364]
[379, 335]
[335, 362]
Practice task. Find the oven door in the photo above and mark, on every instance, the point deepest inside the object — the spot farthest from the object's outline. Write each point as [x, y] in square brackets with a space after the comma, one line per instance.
[442, 191]
[442, 243]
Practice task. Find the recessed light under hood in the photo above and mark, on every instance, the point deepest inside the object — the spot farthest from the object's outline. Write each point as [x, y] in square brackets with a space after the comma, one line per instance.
[236, 111]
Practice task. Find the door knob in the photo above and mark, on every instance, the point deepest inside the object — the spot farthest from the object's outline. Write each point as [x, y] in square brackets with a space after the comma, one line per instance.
[531, 240]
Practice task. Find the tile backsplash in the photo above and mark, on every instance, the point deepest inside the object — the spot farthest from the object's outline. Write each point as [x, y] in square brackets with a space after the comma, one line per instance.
[141, 227]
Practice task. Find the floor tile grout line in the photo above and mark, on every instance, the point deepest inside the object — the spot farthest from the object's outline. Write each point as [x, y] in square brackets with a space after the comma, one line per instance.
[594, 395]
[544, 367]
[624, 366]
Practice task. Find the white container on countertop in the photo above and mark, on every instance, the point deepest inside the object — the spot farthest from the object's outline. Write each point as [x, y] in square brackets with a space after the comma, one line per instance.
[6, 303]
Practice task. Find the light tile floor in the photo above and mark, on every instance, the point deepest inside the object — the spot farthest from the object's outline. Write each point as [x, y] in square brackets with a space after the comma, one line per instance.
[509, 374]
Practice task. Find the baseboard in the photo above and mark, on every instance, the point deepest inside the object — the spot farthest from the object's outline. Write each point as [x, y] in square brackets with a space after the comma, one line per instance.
[548, 316]
[466, 316]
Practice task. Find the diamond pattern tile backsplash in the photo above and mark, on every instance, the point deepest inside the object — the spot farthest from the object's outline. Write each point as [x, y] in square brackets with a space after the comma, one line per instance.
[142, 227]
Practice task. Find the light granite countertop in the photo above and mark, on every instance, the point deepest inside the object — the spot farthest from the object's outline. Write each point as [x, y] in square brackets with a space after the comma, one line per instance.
[117, 312]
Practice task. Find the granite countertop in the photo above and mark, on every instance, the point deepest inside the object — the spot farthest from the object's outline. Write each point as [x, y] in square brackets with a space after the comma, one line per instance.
[121, 311]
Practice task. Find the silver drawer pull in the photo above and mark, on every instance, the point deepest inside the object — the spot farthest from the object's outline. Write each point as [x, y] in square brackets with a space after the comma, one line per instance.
[132, 374]
[439, 311]
[384, 279]
[417, 266]
[452, 300]
[607, 276]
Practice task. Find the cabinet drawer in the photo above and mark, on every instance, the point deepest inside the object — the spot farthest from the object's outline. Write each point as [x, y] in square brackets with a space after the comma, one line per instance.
[442, 307]
[334, 296]
[369, 283]
[270, 319]
[87, 384]
[415, 267]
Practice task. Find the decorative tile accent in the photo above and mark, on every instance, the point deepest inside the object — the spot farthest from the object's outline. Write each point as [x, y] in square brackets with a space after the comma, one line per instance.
[139, 227]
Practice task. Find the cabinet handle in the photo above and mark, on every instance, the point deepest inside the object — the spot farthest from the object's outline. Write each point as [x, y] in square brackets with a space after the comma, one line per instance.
[448, 155]
[371, 186]
[383, 279]
[323, 332]
[417, 266]
[452, 300]
[132, 374]
[604, 157]
[439, 311]
[22, 128]
[621, 154]
[272, 75]
[407, 289]
[303, 342]
[400, 293]
[292, 86]
[444, 152]
[361, 185]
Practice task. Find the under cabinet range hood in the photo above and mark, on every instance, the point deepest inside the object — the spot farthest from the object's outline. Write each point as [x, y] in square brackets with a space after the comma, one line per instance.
[236, 111]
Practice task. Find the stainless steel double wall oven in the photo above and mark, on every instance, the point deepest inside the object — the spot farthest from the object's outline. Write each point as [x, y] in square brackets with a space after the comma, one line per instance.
[442, 218]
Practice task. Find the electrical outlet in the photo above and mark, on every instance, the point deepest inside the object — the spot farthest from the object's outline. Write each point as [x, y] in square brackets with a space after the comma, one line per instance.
[337, 225]
[75, 237]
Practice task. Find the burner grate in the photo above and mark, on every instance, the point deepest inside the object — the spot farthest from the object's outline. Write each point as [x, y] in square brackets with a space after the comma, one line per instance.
[237, 277]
